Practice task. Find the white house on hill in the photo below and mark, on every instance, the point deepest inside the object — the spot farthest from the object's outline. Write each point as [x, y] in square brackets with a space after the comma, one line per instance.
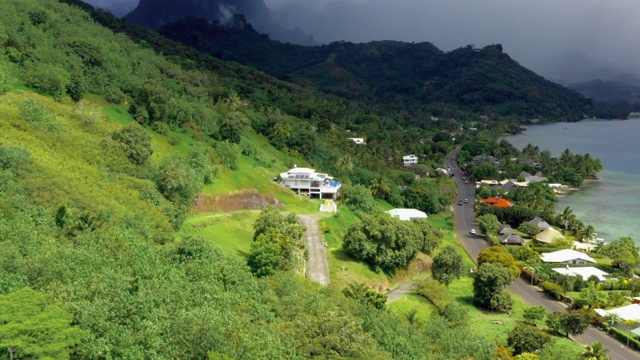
[407, 214]
[567, 256]
[308, 181]
[409, 160]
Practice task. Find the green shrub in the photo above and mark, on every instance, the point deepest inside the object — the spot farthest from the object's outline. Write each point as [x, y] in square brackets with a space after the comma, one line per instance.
[435, 292]
[624, 337]
[135, 142]
[552, 289]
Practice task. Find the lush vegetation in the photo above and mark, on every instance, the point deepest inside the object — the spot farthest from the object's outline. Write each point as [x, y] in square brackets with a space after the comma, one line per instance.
[108, 151]
[411, 78]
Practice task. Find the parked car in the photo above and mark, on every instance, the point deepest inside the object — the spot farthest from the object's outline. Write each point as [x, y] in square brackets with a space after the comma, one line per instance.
[473, 231]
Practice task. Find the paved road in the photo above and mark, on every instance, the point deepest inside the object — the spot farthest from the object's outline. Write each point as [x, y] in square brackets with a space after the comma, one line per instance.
[465, 220]
[317, 265]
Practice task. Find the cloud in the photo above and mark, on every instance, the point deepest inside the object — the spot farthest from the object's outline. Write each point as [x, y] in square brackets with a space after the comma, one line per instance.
[534, 32]
[117, 7]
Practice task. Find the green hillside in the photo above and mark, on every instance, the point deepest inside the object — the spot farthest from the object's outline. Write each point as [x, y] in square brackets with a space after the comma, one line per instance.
[112, 161]
[136, 176]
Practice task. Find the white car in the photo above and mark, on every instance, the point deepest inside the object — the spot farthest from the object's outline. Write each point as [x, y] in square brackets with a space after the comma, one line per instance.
[473, 231]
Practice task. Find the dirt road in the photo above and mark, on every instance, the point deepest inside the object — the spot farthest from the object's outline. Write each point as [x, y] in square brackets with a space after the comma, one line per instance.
[317, 264]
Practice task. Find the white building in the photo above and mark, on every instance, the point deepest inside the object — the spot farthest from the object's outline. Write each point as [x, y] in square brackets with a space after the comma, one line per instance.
[567, 256]
[626, 313]
[308, 181]
[409, 160]
[359, 141]
[407, 214]
[585, 272]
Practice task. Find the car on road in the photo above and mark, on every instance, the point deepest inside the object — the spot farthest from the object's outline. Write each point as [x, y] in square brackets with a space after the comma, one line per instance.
[466, 182]
[466, 201]
[460, 202]
[473, 231]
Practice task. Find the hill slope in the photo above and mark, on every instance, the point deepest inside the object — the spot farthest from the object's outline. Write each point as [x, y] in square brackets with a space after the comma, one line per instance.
[610, 92]
[403, 76]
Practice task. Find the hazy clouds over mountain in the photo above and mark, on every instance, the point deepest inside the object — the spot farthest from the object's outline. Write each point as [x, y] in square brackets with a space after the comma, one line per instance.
[552, 37]
[537, 33]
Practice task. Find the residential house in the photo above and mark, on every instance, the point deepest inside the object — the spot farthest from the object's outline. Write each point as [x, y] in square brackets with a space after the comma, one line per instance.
[585, 272]
[630, 313]
[567, 256]
[409, 160]
[497, 201]
[308, 181]
[533, 178]
[407, 214]
[509, 236]
[541, 224]
[549, 235]
[483, 157]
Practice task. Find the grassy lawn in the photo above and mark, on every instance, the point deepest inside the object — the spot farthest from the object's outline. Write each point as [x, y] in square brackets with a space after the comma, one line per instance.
[410, 303]
[232, 232]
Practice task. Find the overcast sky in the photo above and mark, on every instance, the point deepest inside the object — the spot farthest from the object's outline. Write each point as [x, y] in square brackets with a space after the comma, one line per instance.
[533, 32]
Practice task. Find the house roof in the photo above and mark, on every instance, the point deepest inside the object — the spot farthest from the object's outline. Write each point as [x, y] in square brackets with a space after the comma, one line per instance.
[543, 225]
[565, 255]
[511, 238]
[585, 272]
[497, 201]
[549, 235]
[629, 312]
[407, 214]
[301, 173]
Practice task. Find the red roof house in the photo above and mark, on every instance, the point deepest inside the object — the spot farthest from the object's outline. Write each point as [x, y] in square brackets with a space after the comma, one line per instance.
[497, 201]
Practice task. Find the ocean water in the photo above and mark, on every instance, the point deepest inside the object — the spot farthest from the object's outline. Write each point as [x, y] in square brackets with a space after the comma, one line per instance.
[612, 202]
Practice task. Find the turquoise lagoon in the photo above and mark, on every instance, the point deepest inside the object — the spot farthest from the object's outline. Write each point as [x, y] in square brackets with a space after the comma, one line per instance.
[612, 202]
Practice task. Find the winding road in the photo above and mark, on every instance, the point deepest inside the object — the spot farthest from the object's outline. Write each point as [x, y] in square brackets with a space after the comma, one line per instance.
[465, 220]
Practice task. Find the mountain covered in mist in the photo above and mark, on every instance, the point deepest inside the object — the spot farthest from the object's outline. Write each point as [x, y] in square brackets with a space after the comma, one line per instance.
[155, 13]
[398, 75]
[607, 91]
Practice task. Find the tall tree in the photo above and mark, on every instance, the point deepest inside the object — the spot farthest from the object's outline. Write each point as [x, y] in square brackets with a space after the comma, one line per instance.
[32, 327]
[447, 266]
[489, 286]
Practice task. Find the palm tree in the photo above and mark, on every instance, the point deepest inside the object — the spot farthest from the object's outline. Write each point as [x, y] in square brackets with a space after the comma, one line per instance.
[233, 101]
[595, 351]
[587, 233]
[565, 216]
[612, 319]
[380, 187]
[344, 163]
[282, 129]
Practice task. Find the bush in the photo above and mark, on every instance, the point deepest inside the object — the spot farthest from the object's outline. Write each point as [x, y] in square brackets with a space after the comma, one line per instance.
[552, 289]
[228, 154]
[359, 198]
[435, 292]
[623, 336]
[383, 242]
[135, 142]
